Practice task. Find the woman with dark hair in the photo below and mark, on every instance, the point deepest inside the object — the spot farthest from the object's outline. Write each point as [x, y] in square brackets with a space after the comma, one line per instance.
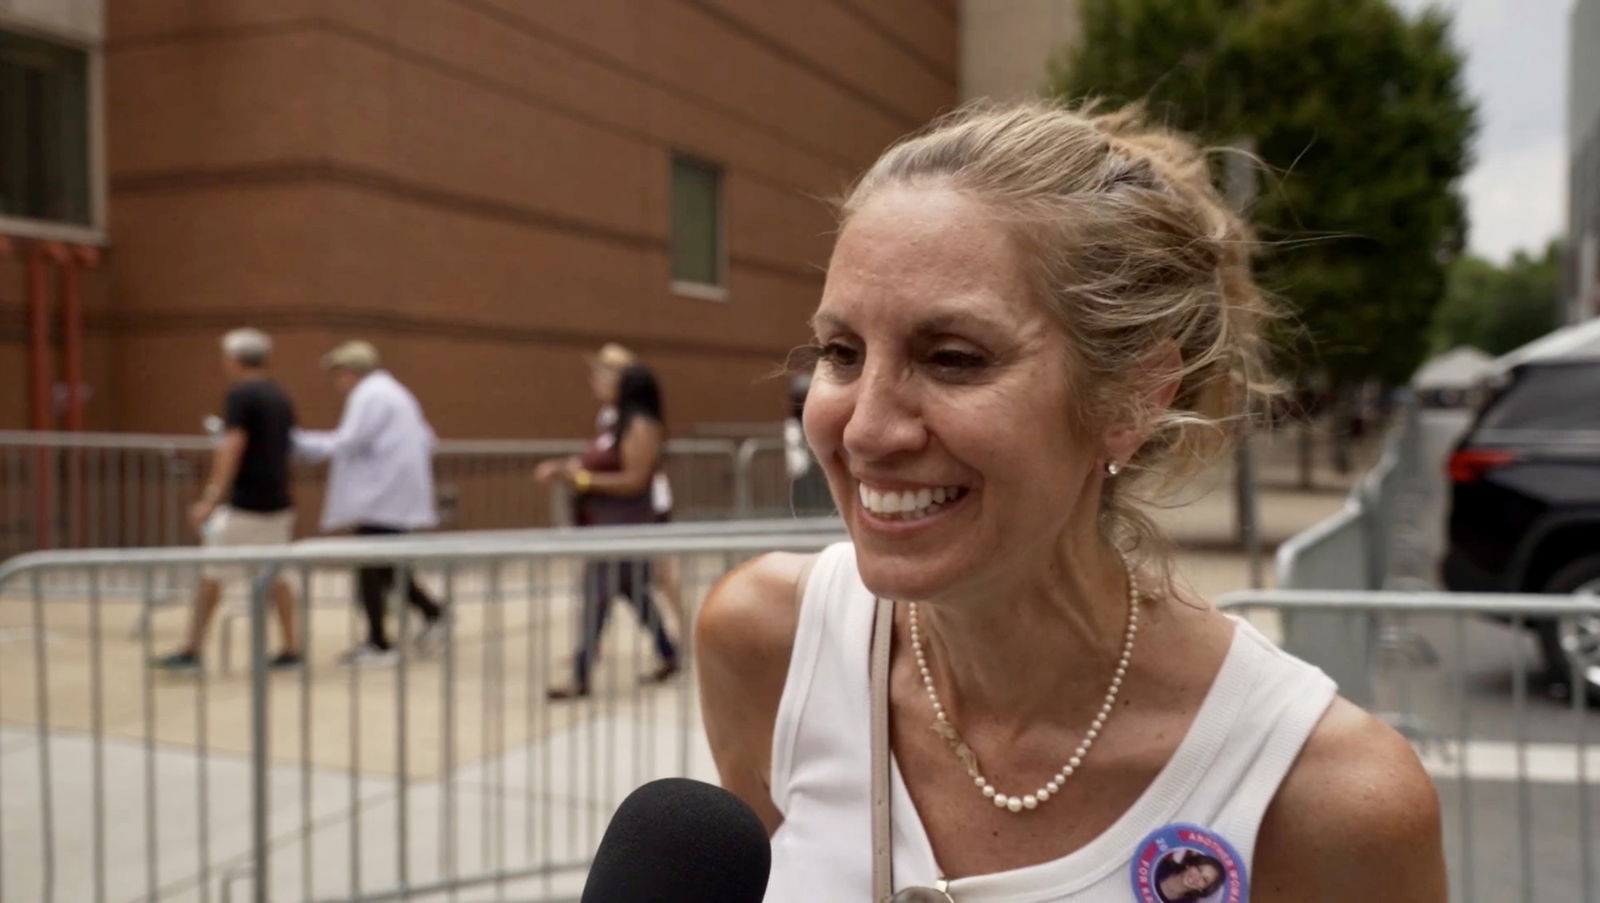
[1188, 875]
[611, 485]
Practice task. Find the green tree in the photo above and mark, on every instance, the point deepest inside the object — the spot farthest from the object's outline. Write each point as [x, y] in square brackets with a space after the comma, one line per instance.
[1360, 116]
[1499, 308]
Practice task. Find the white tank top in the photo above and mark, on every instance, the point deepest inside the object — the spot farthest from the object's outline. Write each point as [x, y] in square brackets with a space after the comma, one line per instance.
[1251, 726]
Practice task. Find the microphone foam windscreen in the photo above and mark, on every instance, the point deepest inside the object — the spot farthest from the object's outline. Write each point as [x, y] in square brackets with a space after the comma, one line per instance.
[677, 840]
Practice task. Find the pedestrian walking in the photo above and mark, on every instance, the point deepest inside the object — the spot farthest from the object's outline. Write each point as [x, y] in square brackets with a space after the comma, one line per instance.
[380, 483]
[612, 484]
[605, 370]
[246, 501]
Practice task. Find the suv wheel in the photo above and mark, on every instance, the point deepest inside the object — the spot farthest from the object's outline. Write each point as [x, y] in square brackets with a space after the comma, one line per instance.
[1574, 641]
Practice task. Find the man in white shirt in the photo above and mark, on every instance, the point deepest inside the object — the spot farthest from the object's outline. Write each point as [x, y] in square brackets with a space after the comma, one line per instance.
[380, 483]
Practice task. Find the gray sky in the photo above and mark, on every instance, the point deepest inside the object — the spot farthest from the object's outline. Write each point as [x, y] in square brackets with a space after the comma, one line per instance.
[1517, 70]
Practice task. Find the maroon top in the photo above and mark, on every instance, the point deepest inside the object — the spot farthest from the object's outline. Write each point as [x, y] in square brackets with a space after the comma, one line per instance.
[593, 509]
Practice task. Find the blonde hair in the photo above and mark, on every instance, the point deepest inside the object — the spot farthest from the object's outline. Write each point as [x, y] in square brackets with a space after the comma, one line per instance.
[1135, 251]
[356, 355]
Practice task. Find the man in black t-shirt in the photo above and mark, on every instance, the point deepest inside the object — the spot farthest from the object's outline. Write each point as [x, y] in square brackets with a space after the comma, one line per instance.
[246, 502]
[259, 408]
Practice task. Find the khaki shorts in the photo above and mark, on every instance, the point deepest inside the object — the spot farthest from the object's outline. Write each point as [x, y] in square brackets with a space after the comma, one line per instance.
[231, 527]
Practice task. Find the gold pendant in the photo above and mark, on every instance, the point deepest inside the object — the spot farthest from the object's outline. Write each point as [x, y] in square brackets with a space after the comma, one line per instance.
[947, 733]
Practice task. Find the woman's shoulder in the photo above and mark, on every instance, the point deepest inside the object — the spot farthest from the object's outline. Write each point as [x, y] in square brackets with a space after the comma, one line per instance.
[744, 636]
[750, 616]
[1356, 815]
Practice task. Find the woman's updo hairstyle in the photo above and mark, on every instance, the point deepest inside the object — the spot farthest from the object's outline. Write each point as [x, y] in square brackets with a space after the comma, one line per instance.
[1134, 249]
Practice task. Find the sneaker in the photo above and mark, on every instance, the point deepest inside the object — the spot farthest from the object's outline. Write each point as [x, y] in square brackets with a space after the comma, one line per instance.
[434, 635]
[367, 655]
[568, 691]
[178, 662]
[283, 661]
[662, 673]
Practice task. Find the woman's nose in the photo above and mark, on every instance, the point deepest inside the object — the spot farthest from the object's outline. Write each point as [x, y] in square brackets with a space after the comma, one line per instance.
[886, 418]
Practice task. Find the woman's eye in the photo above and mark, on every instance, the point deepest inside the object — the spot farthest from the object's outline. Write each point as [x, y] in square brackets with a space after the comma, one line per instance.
[956, 360]
[838, 354]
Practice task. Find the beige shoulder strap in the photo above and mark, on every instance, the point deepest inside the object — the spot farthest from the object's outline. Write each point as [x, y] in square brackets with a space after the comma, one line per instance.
[882, 849]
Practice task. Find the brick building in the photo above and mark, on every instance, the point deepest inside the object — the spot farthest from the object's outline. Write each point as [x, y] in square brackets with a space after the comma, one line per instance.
[486, 189]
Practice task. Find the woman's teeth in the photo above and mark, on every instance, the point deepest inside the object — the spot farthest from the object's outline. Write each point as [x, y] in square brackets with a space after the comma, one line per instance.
[910, 504]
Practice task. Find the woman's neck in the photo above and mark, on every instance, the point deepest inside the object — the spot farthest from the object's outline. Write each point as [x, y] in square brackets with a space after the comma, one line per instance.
[1042, 645]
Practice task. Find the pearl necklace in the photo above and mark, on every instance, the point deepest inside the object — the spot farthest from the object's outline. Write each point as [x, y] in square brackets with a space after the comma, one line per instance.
[945, 729]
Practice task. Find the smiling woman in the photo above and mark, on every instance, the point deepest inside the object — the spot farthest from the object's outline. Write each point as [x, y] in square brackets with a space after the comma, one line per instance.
[1029, 311]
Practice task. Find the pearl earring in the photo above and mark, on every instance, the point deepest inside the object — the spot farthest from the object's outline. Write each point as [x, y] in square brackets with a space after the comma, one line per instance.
[1113, 468]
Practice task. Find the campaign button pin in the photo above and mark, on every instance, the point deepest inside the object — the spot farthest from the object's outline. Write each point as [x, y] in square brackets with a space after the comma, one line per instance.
[1183, 863]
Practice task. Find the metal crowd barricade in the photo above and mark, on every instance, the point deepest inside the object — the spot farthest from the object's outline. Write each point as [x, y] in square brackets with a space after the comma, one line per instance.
[763, 487]
[98, 490]
[93, 490]
[447, 775]
[120, 490]
[1356, 549]
[481, 484]
[103, 490]
[1514, 781]
[1356, 598]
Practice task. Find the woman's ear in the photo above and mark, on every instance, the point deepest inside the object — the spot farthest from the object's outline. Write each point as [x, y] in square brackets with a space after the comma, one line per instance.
[1161, 373]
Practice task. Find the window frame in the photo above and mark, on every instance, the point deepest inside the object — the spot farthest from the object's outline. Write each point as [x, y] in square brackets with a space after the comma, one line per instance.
[53, 230]
[1533, 380]
[687, 288]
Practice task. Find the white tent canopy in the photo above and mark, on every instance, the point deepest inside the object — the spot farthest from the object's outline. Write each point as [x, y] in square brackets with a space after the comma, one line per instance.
[1578, 340]
[1459, 368]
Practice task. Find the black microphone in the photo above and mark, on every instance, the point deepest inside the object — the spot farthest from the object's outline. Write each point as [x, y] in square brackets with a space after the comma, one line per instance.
[677, 840]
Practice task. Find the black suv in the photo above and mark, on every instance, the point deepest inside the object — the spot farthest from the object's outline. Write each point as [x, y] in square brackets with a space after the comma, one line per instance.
[1525, 508]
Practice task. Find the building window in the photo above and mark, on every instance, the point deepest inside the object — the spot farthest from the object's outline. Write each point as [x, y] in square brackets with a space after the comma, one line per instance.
[44, 131]
[697, 252]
